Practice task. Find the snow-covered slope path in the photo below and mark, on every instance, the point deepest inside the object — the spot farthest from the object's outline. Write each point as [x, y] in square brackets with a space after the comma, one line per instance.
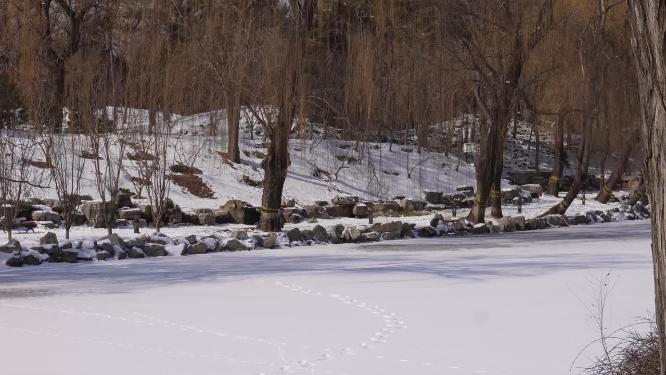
[513, 304]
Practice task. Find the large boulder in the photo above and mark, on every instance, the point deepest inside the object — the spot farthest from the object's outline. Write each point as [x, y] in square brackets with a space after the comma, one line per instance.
[94, 212]
[361, 211]
[351, 234]
[242, 212]
[335, 233]
[129, 213]
[481, 228]
[519, 222]
[207, 218]
[433, 197]
[390, 227]
[409, 204]
[197, 248]
[49, 238]
[345, 200]
[557, 221]
[270, 241]
[294, 235]
[506, 224]
[222, 216]
[235, 245]
[44, 215]
[315, 211]
[535, 190]
[15, 261]
[426, 232]
[11, 247]
[154, 250]
[320, 234]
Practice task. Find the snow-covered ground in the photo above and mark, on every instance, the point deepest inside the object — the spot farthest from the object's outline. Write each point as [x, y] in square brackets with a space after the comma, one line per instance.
[513, 304]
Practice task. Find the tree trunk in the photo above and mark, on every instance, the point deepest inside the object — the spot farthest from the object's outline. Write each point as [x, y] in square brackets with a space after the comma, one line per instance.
[607, 186]
[560, 153]
[233, 124]
[648, 23]
[582, 162]
[496, 190]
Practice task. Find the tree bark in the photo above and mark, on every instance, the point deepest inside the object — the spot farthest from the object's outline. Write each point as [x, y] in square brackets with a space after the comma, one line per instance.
[648, 23]
[582, 162]
[233, 126]
[560, 156]
[607, 186]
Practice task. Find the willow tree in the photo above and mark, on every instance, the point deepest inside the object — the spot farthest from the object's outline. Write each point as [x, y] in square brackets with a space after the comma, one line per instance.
[286, 65]
[648, 23]
[494, 41]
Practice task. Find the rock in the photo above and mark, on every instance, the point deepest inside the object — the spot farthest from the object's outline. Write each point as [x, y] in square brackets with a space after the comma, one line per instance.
[154, 250]
[240, 235]
[222, 216]
[426, 232]
[409, 204]
[191, 239]
[481, 228]
[138, 242]
[129, 213]
[270, 241]
[519, 222]
[640, 210]
[506, 224]
[295, 219]
[535, 190]
[294, 235]
[124, 199]
[94, 212]
[465, 188]
[370, 236]
[242, 212]
[32, 260]
[70, 255]
[51, 216]
[14, 262]
[288, 202]
[314, 211]
[557, 221]
[49, 238]
[320, 234]
[321, 203]
[146, 211]
[11, 247]
[103, 255]
[236, 245]
[351, 234]
[360, 211]
[345, 200]
[206, 218]
[389, 236]
[307, 235]
[536, 223]
[580, 219]
[115, 239]
[198, 248]
[407, 230]
[390, 227]
[388, 207]
[135, 252]
[433, 197]
[434, 222]
[335, 233]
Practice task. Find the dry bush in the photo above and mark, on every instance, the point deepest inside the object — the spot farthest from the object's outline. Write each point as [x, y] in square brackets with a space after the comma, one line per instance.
[634, 354]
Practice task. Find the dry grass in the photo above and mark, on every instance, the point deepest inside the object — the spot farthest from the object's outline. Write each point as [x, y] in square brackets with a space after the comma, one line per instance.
[194, 185]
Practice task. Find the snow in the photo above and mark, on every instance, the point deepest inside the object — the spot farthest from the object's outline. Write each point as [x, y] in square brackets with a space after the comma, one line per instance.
[512, 303]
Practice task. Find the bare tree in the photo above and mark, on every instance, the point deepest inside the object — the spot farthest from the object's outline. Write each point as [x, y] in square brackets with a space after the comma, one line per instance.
[18, 178]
